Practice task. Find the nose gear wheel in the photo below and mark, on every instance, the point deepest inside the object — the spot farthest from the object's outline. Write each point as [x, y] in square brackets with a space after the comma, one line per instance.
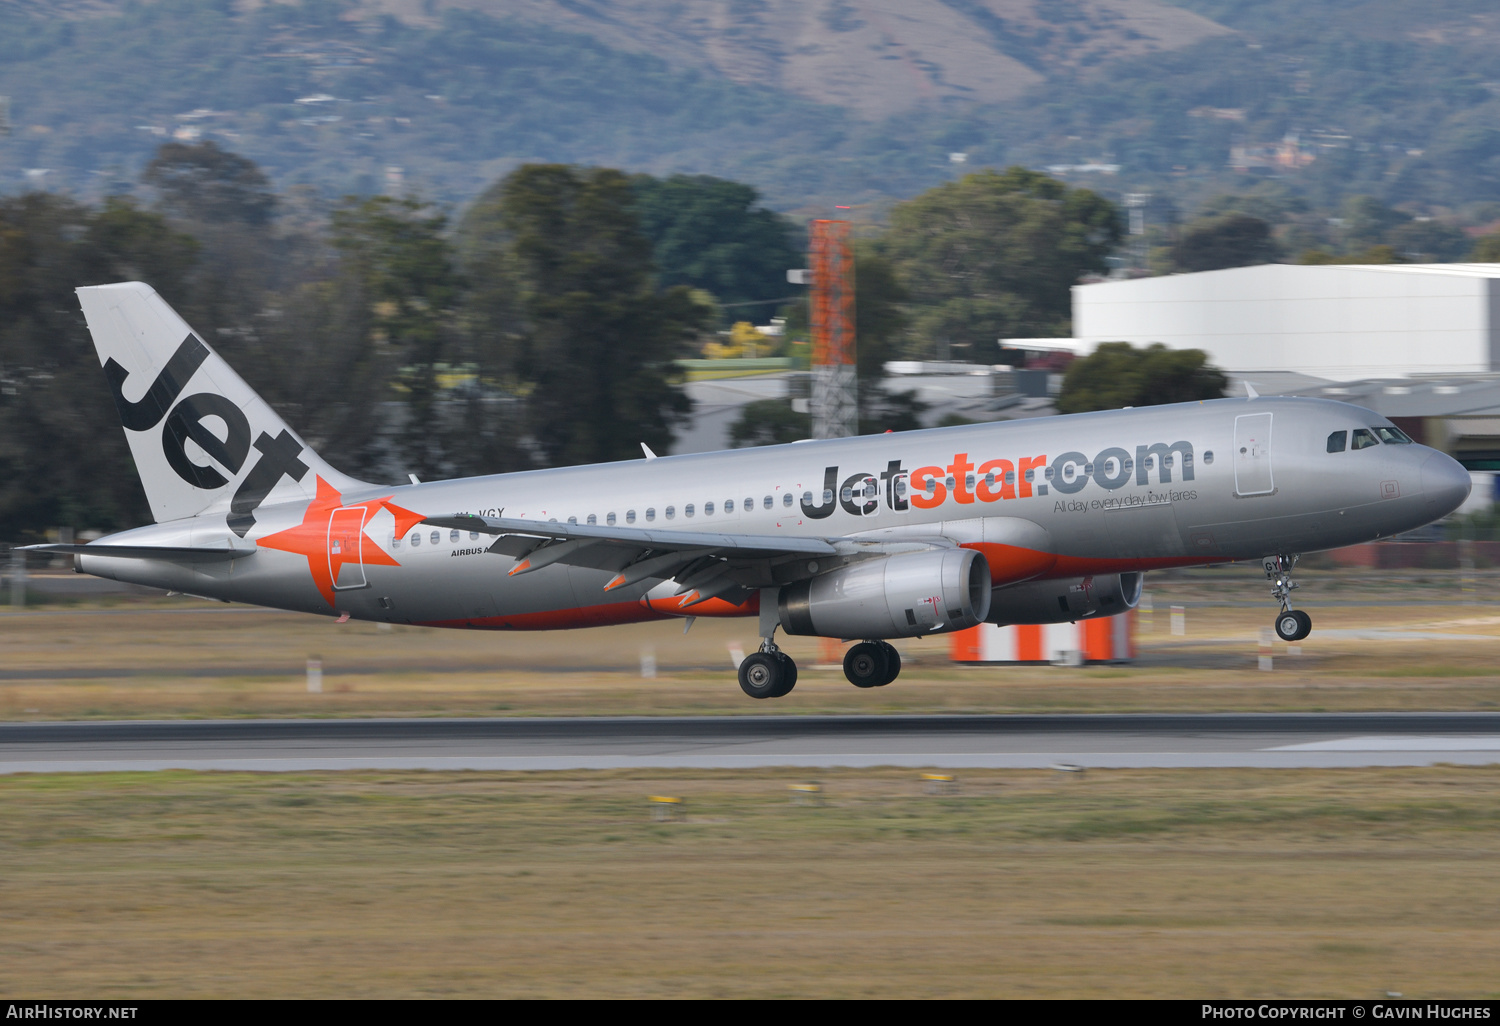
[1291, 624]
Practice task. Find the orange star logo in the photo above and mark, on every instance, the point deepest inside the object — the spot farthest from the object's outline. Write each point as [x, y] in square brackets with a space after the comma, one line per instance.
[331, 535]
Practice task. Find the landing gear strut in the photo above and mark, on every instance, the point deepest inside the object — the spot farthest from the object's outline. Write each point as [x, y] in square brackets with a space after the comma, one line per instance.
[872, 664]
[1291, 624]
[769, 673]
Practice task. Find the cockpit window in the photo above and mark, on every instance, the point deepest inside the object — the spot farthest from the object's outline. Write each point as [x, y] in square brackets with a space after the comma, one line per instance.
[1393, 436]
[1364, 438]
[1338, 441]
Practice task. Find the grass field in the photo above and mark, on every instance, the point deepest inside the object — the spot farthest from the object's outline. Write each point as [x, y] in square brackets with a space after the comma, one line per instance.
[1344, 883]
[176, 657]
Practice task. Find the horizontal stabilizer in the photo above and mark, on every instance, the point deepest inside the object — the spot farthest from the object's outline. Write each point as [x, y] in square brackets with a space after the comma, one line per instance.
[169, 553]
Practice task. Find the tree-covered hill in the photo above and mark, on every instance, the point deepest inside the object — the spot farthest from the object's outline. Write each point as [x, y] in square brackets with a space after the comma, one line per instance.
[816, 103]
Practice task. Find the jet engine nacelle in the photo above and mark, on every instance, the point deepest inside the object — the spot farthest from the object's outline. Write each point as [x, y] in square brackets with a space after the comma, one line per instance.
[900, 596]
[1065, 599]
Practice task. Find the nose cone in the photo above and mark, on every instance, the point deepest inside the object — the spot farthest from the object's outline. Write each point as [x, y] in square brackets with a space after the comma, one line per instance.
[1445, 484]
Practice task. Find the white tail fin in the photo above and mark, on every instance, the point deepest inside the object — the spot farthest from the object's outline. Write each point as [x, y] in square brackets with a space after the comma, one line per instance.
[203, 441]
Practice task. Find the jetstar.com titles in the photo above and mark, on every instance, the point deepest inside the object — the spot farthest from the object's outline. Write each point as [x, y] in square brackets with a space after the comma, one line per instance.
[964, 481]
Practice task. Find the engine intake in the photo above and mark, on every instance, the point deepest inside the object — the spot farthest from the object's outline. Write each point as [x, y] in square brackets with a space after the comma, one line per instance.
[900, 596]
[1065, 599]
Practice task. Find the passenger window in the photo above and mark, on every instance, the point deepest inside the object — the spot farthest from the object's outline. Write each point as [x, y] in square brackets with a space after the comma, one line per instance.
[827, 496]
[786, 499]
[1393, 436]
[671, 511]
[630, 516]
[473, 536]
[437, 536]
[1208, 457]
[806, 498]
[728, 505]
[572, 520]
[708, 509]
[1363, 439]
[609, 519]
[1338, 441]
[687, 510]
[395, 542]
[650, 515]
[593, 520]
[749, 506]
[453, 536]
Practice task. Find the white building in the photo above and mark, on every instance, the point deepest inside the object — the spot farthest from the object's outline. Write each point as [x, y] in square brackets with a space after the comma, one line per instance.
[1339, 323]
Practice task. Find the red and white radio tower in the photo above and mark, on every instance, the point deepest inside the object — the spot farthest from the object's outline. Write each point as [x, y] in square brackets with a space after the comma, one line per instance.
[835, 397]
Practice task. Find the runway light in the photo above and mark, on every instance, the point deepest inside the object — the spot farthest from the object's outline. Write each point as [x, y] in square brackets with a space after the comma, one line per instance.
[664, 807]
[806, 794]
[940, 783]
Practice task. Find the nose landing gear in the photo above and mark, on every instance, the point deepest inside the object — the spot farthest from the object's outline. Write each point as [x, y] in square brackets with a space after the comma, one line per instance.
[1291, 624]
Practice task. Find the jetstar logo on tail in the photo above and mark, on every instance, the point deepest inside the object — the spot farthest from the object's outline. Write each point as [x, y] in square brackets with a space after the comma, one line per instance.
[185, 421]
[331, 539]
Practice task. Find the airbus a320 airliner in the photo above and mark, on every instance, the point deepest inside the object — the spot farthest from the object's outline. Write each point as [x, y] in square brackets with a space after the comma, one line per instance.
[884, 536]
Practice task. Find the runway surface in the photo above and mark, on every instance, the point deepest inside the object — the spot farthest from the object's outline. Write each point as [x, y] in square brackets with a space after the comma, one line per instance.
[729, 742]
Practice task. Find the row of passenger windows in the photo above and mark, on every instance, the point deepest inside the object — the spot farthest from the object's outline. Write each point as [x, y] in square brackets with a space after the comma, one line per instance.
[434, 538]
[691, 509]
[1364, 438]
[669, 513]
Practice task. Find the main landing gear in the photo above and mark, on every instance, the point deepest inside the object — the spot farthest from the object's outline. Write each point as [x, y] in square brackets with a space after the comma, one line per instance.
[872, 664]
[769, 673]
[1291, 624]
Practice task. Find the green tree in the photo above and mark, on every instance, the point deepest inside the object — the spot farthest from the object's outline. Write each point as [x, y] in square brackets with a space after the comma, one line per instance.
[880, 321]
[711, 234]
[1367, 222]
[1429, 242]
[1117, 374]
[996, 254]
[201, 182]
[590, 337]
[1373, 255]
[63, 457]
[768, 422]
[396, 257]
[1486, 249]
[1231, 240]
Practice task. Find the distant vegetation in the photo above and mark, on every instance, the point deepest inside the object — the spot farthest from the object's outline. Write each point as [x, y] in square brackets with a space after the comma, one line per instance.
[1378, 97]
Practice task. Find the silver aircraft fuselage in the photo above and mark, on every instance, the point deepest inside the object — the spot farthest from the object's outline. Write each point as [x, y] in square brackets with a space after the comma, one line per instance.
[1057, 497]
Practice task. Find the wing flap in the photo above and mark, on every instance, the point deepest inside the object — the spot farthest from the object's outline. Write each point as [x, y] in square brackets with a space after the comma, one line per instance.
[640, 539]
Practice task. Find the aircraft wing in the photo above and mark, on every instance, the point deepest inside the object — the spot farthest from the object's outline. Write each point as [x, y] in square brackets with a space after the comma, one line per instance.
[706, 565]
[172, 554]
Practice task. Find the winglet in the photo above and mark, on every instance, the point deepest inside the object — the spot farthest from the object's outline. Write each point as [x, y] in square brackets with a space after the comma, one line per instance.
[1250, 391]
[647, 450]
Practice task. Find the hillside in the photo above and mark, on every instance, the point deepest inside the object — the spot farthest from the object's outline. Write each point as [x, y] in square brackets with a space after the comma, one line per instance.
[815, 103]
